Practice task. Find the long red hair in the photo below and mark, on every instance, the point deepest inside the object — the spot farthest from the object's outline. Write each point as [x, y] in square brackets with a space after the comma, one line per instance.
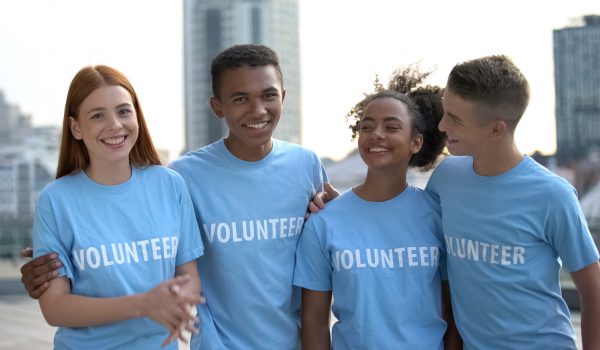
[73, 154]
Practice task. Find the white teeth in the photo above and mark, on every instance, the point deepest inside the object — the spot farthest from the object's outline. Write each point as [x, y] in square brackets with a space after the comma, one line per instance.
[257, 125]
[378, 149]
[114, 140]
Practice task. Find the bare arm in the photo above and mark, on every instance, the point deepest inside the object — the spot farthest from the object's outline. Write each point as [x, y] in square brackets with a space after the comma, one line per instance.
[63, 309]
[37, 273]
[587, 281]
[315, 320]
[452, 339]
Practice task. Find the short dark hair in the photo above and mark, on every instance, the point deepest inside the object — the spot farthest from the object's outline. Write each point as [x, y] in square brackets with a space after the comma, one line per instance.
[495, 84]
[242, 55]
[424, 105]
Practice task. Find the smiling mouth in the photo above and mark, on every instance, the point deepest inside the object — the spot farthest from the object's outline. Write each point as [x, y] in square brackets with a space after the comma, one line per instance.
[256, 126]
[378, 149]
[114, 140]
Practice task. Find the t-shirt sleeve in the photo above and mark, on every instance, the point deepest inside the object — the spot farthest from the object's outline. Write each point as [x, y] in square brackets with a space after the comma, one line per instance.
[320, 175]
[48, 239]
[313, 267]
[190, 246]
[568, 232]
[432, 184]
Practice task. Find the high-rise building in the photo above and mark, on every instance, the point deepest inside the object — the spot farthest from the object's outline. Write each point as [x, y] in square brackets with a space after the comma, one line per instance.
[577, 86]
[211, 26]
[13, 123]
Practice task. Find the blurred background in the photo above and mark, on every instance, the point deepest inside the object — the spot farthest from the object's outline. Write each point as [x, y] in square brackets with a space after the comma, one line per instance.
[330, 51]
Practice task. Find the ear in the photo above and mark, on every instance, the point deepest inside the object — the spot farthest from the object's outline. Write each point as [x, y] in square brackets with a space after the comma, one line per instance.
[282, 94]
[416, 143]
[498, 129]
[75, 130]
[215, 104]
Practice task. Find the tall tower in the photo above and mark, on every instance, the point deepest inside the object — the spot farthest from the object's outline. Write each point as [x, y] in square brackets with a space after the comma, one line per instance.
[213, 25]
[577, 84]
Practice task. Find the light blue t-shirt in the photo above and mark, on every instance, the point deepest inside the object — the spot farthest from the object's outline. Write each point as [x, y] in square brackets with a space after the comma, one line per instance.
[251, 215]
[505, 238]
[381, 260]
[115, 241]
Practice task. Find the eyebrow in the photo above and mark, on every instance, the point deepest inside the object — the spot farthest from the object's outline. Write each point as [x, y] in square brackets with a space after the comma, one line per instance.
[242, 94]
[99, 109]
[385, 119]
[455, 117]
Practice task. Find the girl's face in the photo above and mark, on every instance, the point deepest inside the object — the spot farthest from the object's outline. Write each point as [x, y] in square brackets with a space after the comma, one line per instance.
[107, 124]
[385, 137]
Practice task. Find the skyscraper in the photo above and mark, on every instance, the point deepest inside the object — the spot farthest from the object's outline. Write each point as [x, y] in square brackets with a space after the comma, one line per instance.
[577, 84]
[213, 25]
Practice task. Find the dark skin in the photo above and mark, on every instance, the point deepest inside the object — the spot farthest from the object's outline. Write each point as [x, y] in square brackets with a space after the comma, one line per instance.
[36, 274]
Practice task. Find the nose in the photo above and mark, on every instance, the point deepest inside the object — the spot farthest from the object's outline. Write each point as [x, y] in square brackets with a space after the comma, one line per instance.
[377, 133]
[115, 122]
[442, 124]
[258, 108]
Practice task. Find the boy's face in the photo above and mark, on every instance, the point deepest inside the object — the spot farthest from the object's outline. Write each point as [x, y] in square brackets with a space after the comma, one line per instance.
[250, 100]
[466, 135]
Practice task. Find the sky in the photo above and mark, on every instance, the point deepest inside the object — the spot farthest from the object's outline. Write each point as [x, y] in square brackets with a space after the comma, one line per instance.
[344, 45]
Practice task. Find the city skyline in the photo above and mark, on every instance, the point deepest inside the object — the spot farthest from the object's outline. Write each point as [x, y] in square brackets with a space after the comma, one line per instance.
[344, 44]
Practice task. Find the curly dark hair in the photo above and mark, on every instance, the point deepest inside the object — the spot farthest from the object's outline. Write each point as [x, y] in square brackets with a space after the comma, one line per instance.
[236, 56]
[424, 104]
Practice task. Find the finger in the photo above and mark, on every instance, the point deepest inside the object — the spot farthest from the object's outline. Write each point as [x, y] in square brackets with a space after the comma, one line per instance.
[175, 289]
[36, 293]
[312, 207]
[26, 252]
[172, 336]
[193, 325]
[38, 281]
[39, 261]
[182, 279]
[46, 268]
[320, 199]
[192, 299]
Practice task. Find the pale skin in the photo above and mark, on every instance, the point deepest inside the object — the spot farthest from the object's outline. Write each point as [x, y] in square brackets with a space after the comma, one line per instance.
[107, 125]
[386, 144]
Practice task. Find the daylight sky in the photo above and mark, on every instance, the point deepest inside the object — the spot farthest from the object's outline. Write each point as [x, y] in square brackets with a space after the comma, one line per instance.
[344, 44]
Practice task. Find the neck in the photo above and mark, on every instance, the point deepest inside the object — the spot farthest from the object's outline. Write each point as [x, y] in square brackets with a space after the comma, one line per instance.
[109, 175]
[249, 153]
[497, 160]
[382, 185]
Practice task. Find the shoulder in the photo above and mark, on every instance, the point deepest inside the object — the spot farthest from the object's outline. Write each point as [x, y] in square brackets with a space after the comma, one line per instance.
[425, 198]
[294, 154]
[160, 172]
[64, 186]
[454, 163]
[190, 161]
[547, 182]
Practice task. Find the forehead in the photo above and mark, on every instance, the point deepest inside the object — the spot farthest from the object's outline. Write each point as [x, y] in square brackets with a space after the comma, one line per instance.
[458, 106]
[106, 96]
[386, 107]
[246, 78]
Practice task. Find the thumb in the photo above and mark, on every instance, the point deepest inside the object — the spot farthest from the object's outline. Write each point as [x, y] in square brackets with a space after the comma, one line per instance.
[331, 191]
[182, 279]
[26, 252]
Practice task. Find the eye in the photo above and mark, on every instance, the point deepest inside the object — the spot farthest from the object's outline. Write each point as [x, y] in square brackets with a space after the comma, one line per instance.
[240, 99]
[125, 112]
[97, 115]
[393, 127]
[271, 95]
